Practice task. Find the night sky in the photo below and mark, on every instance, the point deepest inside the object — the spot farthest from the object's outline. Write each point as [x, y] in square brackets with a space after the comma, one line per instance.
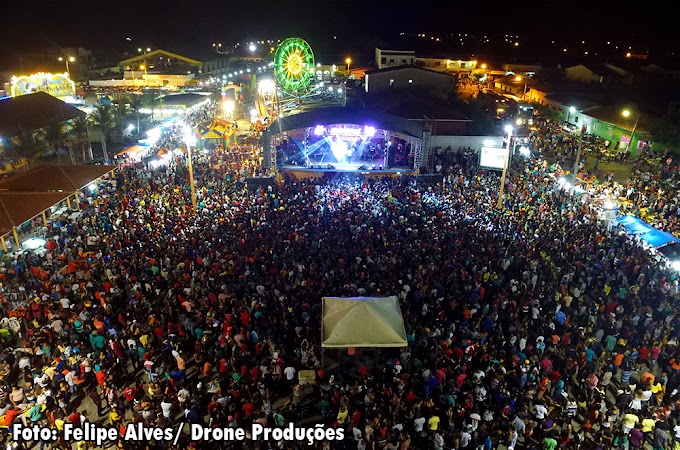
[357, 24]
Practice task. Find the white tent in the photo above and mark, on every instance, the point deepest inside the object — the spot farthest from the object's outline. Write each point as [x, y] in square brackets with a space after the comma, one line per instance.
[362, 322]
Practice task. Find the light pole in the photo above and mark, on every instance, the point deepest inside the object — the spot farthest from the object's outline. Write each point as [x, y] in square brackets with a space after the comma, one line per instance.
[578, 156]
[348, 61]
[499, 204]
[67, 59]
[519, 78]
[627, 113]
[188, 138]
[570, 110]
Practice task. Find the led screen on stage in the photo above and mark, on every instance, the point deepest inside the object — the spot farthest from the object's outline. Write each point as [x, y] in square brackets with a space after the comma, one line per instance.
[492, 157]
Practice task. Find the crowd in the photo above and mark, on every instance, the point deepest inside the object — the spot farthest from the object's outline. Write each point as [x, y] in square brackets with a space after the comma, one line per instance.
[529, 326]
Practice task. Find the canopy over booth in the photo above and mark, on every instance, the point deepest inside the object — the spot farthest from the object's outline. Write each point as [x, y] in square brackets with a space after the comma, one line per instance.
[362, 322]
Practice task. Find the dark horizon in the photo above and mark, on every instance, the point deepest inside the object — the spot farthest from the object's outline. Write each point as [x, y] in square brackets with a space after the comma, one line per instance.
[357, 26]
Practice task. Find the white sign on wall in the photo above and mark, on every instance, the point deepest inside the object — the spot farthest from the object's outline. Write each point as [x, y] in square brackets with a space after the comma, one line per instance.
[492, 157]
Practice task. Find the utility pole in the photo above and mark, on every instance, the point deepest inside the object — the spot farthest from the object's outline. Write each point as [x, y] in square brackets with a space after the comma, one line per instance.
[577, 160]
[191, 179]
[499, 204]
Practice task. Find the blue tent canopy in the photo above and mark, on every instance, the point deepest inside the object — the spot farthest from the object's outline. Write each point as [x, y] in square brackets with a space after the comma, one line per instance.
[634, 225]
[658, 238]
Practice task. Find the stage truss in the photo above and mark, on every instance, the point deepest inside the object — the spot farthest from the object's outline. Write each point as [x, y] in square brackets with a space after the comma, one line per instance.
[276, 139]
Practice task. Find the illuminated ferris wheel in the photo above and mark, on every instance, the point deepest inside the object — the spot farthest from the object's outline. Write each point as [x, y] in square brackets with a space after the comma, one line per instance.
[294, 66]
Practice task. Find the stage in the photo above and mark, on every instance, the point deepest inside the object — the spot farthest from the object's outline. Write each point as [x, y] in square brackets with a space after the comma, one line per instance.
[344, 169]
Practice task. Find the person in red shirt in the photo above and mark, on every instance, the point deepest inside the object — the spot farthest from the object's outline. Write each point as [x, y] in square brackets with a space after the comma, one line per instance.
[248, 408]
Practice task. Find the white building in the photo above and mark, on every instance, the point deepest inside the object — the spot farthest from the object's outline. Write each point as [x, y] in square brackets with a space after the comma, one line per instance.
[392, 58]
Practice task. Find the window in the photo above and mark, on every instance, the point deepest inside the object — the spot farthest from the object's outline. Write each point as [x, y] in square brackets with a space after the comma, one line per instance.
[576, 119]
[463, 65]
[383, 60]
[391, 82]
[410, 81]
[403, 61]
[437, 63]
[391, 60]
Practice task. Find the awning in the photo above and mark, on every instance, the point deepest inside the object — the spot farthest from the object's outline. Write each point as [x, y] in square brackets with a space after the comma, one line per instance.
[133, 150]
[362, 322]
[634, 225]
[658, 238]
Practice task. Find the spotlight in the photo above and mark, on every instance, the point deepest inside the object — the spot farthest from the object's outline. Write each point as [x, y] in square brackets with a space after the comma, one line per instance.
[369, 131]
[319, 130]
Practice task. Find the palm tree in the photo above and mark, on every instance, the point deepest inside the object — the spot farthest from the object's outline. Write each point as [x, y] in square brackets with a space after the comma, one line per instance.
[29, 145]
[121, 111]
[150, 101]
[55, 137]
[103, 120]
[135, 103]
[77, 134]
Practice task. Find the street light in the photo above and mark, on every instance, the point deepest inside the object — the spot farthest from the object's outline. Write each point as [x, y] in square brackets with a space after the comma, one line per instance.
[508, 129]
[348, 61]
[626, 113]
[519, 78]
[67, 60]
[190, 140]
[571, 110]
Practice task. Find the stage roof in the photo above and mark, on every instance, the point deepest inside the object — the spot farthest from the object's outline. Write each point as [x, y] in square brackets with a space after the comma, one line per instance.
[339, 115]
[48, 178]
[362, 322]
[32, 112]
[18, 207]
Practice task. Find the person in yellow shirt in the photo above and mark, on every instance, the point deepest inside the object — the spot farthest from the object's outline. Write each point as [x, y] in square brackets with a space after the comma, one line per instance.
[648, 425]
[114, 416]
[433, 423]
[59, 423]
[342, 415]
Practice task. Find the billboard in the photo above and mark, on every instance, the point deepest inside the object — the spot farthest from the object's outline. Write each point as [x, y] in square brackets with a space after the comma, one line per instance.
[58, 85]
[493, 157]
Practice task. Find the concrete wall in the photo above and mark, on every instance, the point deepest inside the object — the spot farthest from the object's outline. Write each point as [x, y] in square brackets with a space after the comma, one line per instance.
[407, 78]
[456, 142]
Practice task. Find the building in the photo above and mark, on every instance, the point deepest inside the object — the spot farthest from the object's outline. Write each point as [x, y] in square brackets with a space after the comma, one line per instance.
[515, 85]
[409, 77]
[601, 74]
[434, 117]
[392, 58]
[630, 133]
[459, 66]
[33, 112]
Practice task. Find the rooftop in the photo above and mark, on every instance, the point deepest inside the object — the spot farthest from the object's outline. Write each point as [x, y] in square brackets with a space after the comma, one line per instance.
[32, 112]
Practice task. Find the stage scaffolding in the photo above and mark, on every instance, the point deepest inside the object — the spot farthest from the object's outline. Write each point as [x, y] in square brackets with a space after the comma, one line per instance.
[273, 140]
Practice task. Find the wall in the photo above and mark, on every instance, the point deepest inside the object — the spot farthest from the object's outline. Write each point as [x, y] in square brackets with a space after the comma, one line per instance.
[394, 58]
[456, 142]
[381, 81]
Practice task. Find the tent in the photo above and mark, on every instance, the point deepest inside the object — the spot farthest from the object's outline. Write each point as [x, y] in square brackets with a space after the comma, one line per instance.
[362, 322]
[657, 238]
[634, 225]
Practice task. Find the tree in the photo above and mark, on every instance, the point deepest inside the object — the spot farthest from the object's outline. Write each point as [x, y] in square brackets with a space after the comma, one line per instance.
[150, 101]
[55, 137]
[29, 145]
[77, 135]
[103, 120]
[666, 132]
[121, 111]
[135, 103]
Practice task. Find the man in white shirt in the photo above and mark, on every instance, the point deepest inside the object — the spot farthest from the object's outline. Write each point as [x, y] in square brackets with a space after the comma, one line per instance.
[290, 373]
[418, 424]
[540, 411]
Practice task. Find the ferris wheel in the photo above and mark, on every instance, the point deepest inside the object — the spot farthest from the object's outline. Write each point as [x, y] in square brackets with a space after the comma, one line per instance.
[294, 66]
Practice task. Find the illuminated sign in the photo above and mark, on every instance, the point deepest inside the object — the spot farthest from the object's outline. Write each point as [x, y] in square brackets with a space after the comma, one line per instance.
[493, 157]
[367, 131]
[58, 85]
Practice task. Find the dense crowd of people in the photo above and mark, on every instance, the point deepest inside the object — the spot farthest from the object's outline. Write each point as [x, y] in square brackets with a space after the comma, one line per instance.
[529, 327]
